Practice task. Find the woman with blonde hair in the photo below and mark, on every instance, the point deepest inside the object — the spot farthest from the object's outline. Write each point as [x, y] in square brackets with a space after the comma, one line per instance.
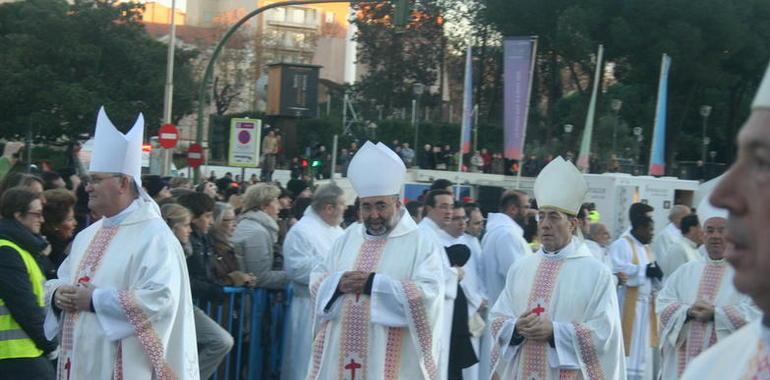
[256, 235]
[178, 219]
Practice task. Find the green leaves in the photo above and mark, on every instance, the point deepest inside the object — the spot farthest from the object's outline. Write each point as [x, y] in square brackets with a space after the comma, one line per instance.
[60, 62]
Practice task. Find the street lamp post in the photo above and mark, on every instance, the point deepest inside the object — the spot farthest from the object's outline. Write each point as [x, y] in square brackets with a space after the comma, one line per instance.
[417, 89]
[705, 111]
[568, 135]
[639, 137]
[615, 106]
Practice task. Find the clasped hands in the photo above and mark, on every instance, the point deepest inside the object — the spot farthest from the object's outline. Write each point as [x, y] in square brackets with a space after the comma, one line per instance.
[701, 311]
[353, 282]
[73, 298]
[534, 327]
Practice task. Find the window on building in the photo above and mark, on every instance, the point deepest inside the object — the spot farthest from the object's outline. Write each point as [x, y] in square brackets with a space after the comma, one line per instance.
[278, 14]
[329, 17]
[298, 15]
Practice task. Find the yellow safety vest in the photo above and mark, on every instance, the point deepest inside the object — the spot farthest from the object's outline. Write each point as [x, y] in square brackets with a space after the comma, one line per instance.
[14, 342]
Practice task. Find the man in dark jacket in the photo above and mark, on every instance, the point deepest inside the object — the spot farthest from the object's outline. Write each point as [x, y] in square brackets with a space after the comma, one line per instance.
[214, 342]
[24, 350]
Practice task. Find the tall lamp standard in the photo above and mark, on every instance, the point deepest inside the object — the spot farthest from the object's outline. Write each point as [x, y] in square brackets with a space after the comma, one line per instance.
[568, 134]
[615, 106]
[417, 89]
[705, 111]
[639, 137]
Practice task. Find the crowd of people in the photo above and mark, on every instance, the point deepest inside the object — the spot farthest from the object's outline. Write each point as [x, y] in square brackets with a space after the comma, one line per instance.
[98, 273]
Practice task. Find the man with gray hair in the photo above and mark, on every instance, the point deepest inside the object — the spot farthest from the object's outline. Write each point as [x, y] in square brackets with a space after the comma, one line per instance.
[671, 235]
[306, 245]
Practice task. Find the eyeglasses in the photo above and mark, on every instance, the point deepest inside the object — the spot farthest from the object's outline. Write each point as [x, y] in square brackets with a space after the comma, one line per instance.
[36, 214]
[97, 180]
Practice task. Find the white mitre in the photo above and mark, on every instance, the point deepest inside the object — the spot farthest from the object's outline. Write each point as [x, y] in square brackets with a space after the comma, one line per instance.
[762, 100]
[705, 209]
[560, 186]
[115, 152]
[376, 170]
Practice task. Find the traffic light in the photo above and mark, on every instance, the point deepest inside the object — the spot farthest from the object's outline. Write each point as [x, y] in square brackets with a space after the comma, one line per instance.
[303, 163]
[402, 12]
[316, 163]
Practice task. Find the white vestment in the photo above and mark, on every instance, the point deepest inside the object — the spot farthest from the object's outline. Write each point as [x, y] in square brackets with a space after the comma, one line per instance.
[473, 288]
[573, 290]
[636, 312]
[394, 332]
[680, 253]
[502, 245]
[682, 340]
[305, 246]
[143, 327]
[664, 241]
[743, 355]
[429, 228]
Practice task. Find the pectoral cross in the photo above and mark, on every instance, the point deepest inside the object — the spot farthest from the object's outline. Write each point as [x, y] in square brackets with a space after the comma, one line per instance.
[67, 366]
[352, 366]
[358, 296]
[538, 310]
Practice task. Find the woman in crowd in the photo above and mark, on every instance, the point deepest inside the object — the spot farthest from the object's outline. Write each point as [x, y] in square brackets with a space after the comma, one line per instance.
[27, 181]
[209, 188]
[178, 219]
[23, 354]
[60, 223]
[256, 235]
[226, 266]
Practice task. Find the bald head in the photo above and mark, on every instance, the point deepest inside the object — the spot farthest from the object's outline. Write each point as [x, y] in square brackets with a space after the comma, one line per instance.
[677, 213]
[599, 233]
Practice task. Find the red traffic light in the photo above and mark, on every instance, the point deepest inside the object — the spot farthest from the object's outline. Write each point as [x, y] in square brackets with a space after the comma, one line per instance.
[303, 163]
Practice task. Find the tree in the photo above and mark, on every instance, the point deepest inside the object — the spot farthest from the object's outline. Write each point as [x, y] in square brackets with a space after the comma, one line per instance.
[396, 57]
[719, 50]
[60, 62]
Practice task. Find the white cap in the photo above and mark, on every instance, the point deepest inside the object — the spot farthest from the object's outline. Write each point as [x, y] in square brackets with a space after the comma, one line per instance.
[561, 186]
[115, 152]
[705, 209]
[762, 99]
[376, 170]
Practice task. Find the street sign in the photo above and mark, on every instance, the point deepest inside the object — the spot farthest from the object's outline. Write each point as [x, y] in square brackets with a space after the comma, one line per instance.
[168, 136]
[195, 155]
[245, 142]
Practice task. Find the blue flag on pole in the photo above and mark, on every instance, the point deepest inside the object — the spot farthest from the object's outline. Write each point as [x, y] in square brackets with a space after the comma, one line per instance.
[658, 149]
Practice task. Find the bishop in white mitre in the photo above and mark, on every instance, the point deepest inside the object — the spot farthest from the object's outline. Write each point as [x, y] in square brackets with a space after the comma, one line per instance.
[306, 245]
[558, 316]
[121, 305]
[379, 292]
[699, 306]
[632, 256]
[743, 192]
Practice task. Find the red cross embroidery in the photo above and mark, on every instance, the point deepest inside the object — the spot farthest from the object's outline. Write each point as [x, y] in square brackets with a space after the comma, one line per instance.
[84, 280]
[538, 310]
[352, 366]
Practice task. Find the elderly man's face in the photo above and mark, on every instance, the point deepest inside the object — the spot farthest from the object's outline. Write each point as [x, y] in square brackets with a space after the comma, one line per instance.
[714, 237]
[379, 214]
[555, 228]
[745, 192]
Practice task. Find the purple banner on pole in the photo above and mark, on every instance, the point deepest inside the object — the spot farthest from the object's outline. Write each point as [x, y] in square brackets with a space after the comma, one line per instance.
[517, 78]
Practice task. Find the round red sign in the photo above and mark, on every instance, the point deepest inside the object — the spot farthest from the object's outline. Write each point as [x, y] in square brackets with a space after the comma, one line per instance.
[168, 136]
[195, 155]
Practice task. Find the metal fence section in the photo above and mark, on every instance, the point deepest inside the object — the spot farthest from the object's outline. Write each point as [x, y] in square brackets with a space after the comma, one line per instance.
[255, 319]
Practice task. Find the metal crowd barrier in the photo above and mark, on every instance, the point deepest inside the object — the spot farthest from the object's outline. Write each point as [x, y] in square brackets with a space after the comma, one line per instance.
[255, 319]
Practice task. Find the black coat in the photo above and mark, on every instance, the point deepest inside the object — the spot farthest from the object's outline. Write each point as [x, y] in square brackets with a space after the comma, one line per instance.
[15, 288]
[200, 265]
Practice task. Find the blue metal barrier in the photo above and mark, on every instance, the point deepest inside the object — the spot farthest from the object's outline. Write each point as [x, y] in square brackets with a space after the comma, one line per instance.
[255, 319]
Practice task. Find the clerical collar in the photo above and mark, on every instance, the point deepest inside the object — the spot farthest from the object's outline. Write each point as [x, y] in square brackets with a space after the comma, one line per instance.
[121, 216]
[712, 261]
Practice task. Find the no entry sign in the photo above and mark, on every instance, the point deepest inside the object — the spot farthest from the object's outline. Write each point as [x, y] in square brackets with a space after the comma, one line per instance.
[168, 136]
[195, 155]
